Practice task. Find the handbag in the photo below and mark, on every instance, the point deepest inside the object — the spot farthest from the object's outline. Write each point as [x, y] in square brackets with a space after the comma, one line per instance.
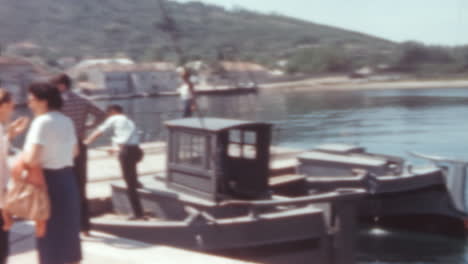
[27, 198]
[27, 201]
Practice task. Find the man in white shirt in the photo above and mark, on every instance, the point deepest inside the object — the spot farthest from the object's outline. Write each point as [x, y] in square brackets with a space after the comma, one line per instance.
[187, 92]
[126, 142]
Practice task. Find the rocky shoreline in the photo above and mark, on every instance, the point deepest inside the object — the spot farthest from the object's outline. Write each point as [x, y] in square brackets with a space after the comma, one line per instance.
[345, 83]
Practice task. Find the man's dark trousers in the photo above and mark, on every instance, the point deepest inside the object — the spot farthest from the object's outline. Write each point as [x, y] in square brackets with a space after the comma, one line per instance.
[81, 171]
[129, 156]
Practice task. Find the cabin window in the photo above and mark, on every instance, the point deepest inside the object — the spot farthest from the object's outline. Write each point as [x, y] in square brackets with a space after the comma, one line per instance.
[235, 136]
[191, 150]
[242, 144]
[235, 150]
[249, 152]
[250, 137]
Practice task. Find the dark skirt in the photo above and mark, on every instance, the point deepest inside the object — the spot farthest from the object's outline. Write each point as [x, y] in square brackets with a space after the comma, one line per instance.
[4, 248]
[61, 244]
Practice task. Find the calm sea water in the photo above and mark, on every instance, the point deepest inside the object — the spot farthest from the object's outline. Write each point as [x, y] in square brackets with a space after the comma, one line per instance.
[392, 121]
[433, 121]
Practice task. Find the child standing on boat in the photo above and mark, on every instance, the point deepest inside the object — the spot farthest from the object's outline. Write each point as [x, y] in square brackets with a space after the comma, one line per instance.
[126, 143]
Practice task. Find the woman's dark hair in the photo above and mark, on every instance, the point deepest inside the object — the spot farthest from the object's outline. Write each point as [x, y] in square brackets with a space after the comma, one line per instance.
[61, 79]
[114, 108]
[5, 96]
[47, 92]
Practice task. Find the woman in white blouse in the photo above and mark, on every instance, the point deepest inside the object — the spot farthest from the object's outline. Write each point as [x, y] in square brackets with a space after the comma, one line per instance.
[7, 132]
[51, 143]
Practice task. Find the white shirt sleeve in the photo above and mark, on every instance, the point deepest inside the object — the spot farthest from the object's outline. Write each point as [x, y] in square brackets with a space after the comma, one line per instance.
[38, 132]
[73, 133]
[107, 125]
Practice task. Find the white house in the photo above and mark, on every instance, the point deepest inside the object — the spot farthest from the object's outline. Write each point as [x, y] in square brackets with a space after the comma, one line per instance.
[118, 79]
[238, 73]
[104, 61]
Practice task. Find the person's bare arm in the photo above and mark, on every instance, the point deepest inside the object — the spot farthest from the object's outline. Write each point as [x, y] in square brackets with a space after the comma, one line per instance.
[33, 157]
[17, 127]
[76, 151]
[91, 138]
[97, 113]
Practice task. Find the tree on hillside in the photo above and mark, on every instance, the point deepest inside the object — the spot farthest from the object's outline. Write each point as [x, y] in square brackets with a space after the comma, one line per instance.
[319, 60]
[462, 56]
[414, 54]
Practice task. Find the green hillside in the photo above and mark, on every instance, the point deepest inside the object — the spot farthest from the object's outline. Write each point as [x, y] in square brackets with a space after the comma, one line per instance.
[109, 27]
[133, 28]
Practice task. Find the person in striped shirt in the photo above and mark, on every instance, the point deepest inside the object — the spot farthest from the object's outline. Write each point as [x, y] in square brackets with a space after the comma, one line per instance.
[85, 116]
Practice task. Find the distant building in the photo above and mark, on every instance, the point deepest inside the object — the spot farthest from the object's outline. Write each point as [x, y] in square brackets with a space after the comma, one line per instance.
[119, 79]
[277, 72]
[381, 72]
[362, 72]
[66, 62]
[282, 63]
[16, 74]
[24, 49]
[239, 74]
[104, 61]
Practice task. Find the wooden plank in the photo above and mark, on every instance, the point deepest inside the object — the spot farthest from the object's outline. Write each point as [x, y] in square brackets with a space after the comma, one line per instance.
[199, 183]
[284, 179]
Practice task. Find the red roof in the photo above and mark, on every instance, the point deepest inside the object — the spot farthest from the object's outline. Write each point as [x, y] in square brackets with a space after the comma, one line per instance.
[14, 61]
[142, 67]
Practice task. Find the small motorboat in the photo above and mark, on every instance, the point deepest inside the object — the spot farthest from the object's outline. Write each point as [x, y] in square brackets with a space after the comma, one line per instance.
[394, 188]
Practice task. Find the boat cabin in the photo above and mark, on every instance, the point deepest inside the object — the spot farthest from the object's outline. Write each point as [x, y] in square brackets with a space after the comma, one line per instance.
[218, 159]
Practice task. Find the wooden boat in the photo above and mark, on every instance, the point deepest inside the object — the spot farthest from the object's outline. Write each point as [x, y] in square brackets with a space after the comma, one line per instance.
[217, 194]
[395, 189]
[238, 89]
[203, 91]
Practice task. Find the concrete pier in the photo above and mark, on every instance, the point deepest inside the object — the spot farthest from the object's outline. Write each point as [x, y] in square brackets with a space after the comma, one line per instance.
[103, 248]
[103, 170]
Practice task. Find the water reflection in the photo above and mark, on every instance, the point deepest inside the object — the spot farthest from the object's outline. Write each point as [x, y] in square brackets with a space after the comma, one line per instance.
[384, 121]
[393, 246]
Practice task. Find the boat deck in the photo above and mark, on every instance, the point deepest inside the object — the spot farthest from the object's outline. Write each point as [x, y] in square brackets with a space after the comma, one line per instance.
[104, 169]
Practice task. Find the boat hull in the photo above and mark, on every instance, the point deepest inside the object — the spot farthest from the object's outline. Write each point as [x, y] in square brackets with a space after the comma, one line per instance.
[416, 194]
[273, 228]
